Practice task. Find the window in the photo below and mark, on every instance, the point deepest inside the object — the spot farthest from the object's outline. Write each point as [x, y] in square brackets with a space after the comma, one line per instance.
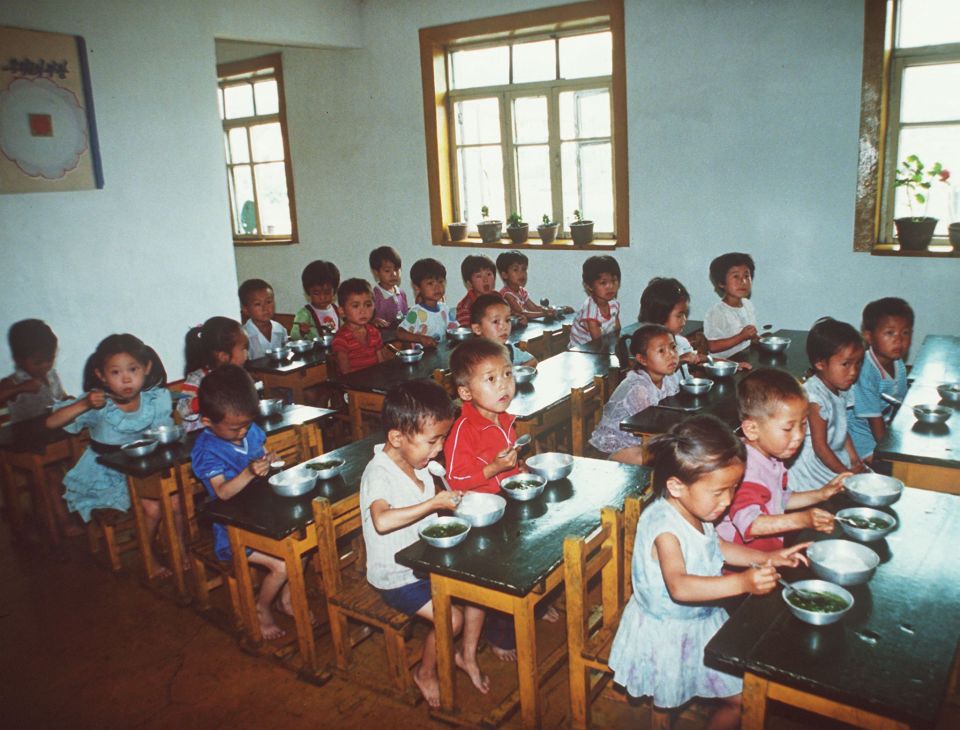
[259, 175]
[910, 106]
[526, 113]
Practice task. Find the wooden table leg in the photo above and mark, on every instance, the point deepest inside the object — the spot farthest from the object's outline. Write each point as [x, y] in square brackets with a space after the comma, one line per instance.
[41, 498]
[248, 603]
[168, 488]
[301, 608]
[443, 627]
[524, 624]
[11, 499]
[143, 539]
[753, 712]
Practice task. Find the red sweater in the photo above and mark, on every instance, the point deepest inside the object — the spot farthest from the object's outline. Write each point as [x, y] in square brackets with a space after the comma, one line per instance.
[473, 443]
[463, 307]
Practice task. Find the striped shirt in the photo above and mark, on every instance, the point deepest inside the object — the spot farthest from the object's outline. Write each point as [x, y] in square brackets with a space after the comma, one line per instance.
[590, 312]
[360, 355]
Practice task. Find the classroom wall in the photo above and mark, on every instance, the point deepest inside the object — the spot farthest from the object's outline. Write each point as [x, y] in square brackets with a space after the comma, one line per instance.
[743, 125]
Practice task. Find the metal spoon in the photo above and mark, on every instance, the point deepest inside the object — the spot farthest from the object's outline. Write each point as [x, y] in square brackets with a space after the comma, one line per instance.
[891, 400]
[808, 595]
[521, 441]
[436, 468]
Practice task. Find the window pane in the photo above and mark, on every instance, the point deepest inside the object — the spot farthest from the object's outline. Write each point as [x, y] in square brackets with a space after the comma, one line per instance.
[587, 183]
[267, 142]
[928, 22]
[478, 121]
[534, 61]
[931, 144]
[585, 114]
[530, 120]
[272, 194]
[533, 183]
[586, 55]
[265, 92]
[238, 101]
[480, 67]
[243, 206]
[923, 98]
[239, 152]
[220, 102]
[481, 183]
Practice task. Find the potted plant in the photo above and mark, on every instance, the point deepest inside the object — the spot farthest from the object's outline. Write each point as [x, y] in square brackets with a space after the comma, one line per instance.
[457, 231]
[916, 230]
[517, 230]
[581, 231]
[489, 230]
[953, 201]
[547, 230]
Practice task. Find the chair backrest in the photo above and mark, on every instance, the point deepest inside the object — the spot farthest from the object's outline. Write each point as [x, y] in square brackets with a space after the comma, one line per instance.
[538, 346]
[632, 508]
[287, 444]
[285, 319]
[586, 408]
[445, 379]
[557, 340]
[330, 525]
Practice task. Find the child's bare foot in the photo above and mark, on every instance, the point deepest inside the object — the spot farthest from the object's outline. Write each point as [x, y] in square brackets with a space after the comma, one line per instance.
[429, 686]
[268, 627]
[161, 571]
[286, 608]
[504, 655]
[552, 615]
[480, 680]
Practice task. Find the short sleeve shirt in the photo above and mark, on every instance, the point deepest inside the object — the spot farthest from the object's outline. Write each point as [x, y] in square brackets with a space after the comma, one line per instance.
[463, 307]
[472, 444]
[30, 405]
[389, 305]
[724, 321]
[359, 355]
[867, 403]
[260, 344]
[521, 297]
[422, 320]
[590, 312]
[807, 471]
[763, 491]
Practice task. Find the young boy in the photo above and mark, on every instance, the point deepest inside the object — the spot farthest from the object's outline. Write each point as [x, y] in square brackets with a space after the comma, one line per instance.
[428, 321]
[490, 318]
[887, 328]
[34, 384]
[479, 276]
[320, 281]
[257, 304]
[600, 314]
[512, 266]
[389, 300]
[357, 344]
[397, 497]
[773, 417]
[731, 324]
[228, 455]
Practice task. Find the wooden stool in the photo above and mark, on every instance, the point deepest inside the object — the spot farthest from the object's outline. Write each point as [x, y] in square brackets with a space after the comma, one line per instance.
[105, 524]
[586, 408]
[203, 558]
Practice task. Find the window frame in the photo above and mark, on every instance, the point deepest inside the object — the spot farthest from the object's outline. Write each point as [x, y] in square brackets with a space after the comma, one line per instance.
[252, 66]
[435, 42]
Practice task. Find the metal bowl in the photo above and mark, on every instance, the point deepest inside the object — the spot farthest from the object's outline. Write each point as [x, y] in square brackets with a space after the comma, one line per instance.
[931, 413]
[164, 434]
[333, 466]
[411, 354]
[771, 343]
[523, 374]
[873, 490]
[446, 542]
[279, 353]
[843, 562]
[866, 534]
[551, 465]
[300, 346]
[720, 368]
[325, 339]
[481, 509]
[460, 334]
[293, 482]
[270, 407]
[140, 447]
[819, 618]
[533, 485]
[950, 392]
[696, 386]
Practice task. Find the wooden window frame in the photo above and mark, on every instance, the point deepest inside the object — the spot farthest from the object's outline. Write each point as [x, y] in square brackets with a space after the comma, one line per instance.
[248, 66]
[434, 43]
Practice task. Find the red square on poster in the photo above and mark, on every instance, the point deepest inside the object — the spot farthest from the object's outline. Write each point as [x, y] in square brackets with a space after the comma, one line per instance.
[41, 125]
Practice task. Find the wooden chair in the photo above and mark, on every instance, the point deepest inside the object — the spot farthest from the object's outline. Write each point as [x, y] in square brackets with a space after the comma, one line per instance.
[350, 597]
[445, 379]
[586, 408]
[285, 319]
[538, 346]
[117, 529]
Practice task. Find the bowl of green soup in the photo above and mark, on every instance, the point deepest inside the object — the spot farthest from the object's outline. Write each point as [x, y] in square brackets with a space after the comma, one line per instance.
[866, 524]
[818, 602]
[325, 467]
[523, 487]
[445, 532]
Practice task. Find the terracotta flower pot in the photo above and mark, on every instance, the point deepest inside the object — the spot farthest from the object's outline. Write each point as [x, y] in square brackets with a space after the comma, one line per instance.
[915, 234]
[457, 231]
[548, 233]
[518, 234]
[489, 230]
[582, 232]
[953, 231]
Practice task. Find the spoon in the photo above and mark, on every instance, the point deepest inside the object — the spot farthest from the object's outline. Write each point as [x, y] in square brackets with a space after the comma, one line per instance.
[799, 591]
[891, 400]
[436, 468]
[768, 327]
[521, 441]
[710, 359]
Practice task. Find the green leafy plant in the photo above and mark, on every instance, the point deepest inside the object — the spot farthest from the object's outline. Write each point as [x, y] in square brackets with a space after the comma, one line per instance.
[577, 216]
[485, 212]
[546, 220]
[515, 220]
[917, 179]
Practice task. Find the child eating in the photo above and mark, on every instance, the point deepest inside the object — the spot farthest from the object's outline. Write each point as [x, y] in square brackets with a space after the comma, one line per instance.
[667, 302]
[34, 386]
[217, 341]
[357, 344]
[256, 303]
[389, 300]
[428, 321]
[731, 324]
[600, 314]
[479, 276]
[490, 318]
[320, 280]
[512, 266]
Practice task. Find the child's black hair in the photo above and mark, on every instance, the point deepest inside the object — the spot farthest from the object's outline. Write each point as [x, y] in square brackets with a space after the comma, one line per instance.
[318, 273]
[886, 307]
[723, 263]
[692, 448]
[31, 338]
[249, 288]
[596, 266]
[134, 347]
[509, 258]
[350, 287]
[828, 336]
[427, 269]
[217, 334]
[659, 299]
[479, 307]
[384, 255]
[228, 389]
[411, 405]
[474, 263]
[471, 353]
[761, 391]
[639, 341]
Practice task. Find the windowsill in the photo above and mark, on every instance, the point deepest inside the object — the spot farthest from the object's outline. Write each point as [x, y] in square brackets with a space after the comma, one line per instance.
[264, 241]
[561, 244]
[936, 251]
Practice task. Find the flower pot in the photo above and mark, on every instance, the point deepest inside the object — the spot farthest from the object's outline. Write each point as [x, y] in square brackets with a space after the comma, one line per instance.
[954, 232]
[582, 232]
[915, 234]
[457, 231]
[548, 233]
[518, 233]
[489, 231]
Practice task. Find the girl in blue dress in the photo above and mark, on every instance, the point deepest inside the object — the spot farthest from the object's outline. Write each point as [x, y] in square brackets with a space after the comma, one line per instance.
[677, 574]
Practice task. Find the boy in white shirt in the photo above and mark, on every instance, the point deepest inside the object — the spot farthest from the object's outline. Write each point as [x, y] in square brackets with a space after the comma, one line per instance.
[257, 304]
[731, 324]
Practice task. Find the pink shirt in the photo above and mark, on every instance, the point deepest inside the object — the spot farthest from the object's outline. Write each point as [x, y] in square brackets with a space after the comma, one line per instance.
[763, 492]
[590, 312]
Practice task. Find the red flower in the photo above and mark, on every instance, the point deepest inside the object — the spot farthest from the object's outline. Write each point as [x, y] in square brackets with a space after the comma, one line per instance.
[944, 175]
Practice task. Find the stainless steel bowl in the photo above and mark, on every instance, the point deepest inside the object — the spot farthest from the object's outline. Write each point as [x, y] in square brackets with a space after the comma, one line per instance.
[140, 447]
[300, 346]
[931, 413]
[523, 374]
[696, 386]
[843, 562]
[950, 392]
[551, 465]
[293, 482]
[325, 339]
[819, 618]
[460, 334]
[481, 509]
[523, 487]
[270, 407]
[873, 490]
[333, 466]
[446, 542]
[720, 368]
[411, 354]
[771, 343]
[165, 434]
[866, 534]
[279, 353]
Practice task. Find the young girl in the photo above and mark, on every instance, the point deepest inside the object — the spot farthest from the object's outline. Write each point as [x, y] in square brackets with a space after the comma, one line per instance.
[389, 300]
[676, 573]
[654, 377]
[667, 302]
[217, 341]
[600, 314]
[835, 350]
[124, 380]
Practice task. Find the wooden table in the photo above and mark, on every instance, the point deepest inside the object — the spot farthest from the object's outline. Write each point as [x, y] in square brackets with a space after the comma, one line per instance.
[938, 360]
[258, 519]
[532, 336]
[306, 370]
[887, 664]
[511, 566]
[608, 343]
